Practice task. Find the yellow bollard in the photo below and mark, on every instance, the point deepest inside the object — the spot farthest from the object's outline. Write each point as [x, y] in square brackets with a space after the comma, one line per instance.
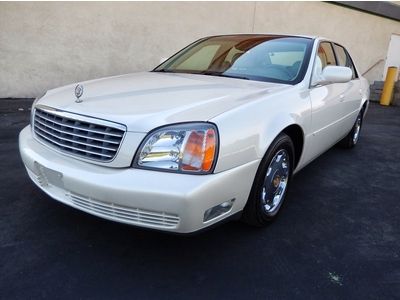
[388, 87]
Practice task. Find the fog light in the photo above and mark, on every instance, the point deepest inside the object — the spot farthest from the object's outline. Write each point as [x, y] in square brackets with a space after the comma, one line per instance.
[218, 210]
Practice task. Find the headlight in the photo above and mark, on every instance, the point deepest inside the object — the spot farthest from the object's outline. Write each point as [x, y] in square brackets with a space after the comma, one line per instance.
[185, 148]
[33, 108]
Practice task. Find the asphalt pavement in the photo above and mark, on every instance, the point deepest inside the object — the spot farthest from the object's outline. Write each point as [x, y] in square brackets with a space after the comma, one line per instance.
[337, 237]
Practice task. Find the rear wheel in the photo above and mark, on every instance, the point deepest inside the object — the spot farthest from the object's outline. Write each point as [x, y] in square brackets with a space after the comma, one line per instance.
[350, 140]
[271, 183]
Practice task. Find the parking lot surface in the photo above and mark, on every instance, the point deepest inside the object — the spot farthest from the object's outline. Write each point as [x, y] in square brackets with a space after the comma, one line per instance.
[337, 237]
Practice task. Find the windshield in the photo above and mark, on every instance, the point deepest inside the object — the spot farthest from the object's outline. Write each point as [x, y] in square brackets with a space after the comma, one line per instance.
[279, 59]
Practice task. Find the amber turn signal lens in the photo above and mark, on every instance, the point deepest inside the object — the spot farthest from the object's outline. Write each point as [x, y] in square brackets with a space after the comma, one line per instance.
[209, 150]
[199, 152]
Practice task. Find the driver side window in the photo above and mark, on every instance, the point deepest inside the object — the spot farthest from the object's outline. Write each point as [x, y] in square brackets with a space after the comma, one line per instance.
[325, 57]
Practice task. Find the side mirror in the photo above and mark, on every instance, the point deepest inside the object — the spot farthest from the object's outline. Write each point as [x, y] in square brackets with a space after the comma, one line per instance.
[163, 59]
[335, 74]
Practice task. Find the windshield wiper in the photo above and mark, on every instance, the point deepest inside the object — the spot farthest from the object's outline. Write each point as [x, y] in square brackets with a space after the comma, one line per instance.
[223, 75]
[234, 76]
[211, 73]
[163, 71]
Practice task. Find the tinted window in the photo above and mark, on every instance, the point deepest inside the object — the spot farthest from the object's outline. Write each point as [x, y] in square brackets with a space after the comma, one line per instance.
[256, 57]
[325, 57]
[325, 53]
[344, 59]
[277, 60]
[200, 60]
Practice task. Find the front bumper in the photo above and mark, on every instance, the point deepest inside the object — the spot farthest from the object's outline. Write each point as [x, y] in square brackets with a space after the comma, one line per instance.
[159, 200]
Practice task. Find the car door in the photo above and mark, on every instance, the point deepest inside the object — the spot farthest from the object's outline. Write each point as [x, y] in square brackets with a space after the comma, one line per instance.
[327, 104]
[351, 101]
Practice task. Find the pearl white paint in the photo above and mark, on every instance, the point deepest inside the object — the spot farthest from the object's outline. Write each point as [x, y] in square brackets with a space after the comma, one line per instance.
[249, 115]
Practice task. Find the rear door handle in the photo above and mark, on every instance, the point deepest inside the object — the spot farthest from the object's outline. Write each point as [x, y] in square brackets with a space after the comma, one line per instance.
[341, 98]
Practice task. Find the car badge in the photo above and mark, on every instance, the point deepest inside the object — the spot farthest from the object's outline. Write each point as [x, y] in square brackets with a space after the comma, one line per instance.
[78, 93]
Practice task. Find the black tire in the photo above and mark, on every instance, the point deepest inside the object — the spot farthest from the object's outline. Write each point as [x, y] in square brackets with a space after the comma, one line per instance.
[254, 212]
[350, 140]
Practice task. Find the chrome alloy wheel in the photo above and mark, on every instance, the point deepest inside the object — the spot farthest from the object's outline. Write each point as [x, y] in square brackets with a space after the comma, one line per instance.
[357, 128]
[275, 182]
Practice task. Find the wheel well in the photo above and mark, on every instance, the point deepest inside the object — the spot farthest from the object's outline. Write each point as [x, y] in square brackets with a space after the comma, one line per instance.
[297, 136]
[365, 104]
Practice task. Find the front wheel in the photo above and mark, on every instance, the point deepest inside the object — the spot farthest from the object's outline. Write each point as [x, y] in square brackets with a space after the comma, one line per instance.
[271, 183]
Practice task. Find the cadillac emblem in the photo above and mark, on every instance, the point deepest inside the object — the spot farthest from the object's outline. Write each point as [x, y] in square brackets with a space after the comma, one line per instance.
[78, 93]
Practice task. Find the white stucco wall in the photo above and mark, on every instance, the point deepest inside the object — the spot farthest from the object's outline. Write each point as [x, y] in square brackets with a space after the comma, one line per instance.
[45, 45]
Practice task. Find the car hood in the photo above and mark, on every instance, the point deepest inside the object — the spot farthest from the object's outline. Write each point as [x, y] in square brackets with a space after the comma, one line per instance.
[144, 101]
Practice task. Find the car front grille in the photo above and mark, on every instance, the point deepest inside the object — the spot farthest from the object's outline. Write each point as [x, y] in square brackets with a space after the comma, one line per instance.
[79, 136]
[124, 214]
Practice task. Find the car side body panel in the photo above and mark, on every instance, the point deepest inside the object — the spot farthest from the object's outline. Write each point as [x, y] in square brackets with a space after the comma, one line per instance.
[247, 132]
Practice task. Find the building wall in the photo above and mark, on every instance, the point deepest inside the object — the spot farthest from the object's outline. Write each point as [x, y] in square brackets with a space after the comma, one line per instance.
[44, 45]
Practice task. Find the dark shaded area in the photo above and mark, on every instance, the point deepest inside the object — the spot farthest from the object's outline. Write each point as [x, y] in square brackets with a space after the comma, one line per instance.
[338, 236]
[384, 9]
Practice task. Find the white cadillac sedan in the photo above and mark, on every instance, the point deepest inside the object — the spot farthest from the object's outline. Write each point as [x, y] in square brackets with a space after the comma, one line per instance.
[215, 131]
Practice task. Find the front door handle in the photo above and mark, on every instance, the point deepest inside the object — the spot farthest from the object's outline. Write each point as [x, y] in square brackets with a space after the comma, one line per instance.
[341, 98]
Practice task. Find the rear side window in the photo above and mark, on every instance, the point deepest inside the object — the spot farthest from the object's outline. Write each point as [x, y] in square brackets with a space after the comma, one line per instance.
[344, 59]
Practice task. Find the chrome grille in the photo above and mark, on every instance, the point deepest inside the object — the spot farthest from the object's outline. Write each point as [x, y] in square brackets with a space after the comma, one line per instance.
[78, 137]
[124, 214]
